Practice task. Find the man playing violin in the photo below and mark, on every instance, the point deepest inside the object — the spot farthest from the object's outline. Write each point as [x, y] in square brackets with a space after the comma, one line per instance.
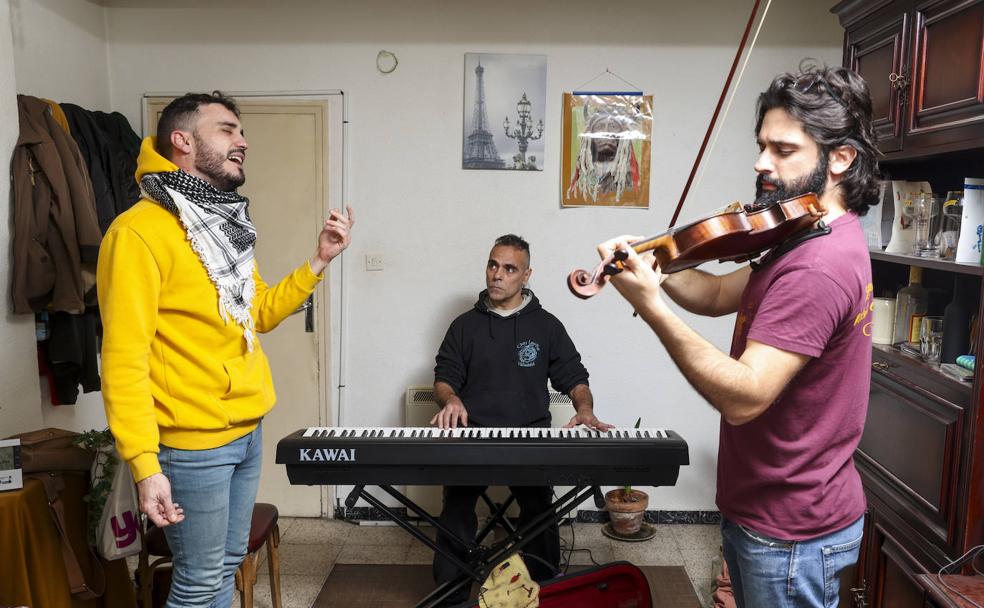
[793, 393]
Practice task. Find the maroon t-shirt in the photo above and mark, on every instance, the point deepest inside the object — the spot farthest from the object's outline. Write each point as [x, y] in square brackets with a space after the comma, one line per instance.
[790, 472]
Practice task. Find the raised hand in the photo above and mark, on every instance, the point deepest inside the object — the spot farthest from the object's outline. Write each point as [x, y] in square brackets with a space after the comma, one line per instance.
[335, 237]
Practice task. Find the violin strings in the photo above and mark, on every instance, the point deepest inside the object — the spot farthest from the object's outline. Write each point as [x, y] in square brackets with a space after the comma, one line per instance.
[734, 92]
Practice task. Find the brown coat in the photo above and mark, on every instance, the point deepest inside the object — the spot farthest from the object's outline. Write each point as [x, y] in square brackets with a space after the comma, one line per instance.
[56, 232]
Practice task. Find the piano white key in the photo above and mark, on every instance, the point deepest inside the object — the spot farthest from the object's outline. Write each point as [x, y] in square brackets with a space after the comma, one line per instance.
[472, 433]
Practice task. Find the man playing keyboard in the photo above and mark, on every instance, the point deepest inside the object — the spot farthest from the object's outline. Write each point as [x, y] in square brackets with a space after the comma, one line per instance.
[492, 371]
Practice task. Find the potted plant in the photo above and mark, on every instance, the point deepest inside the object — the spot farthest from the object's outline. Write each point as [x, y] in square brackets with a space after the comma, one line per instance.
[626, 508]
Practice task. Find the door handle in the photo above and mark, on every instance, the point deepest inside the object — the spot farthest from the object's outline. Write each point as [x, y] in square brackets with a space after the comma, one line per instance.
[899, 81]
[308, 308]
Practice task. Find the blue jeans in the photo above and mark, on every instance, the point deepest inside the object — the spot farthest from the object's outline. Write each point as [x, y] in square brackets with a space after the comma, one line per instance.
[217, 489]
[779, 573]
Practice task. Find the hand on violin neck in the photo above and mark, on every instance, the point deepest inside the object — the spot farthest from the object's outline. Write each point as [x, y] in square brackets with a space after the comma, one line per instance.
[617, 248]
[639, 281]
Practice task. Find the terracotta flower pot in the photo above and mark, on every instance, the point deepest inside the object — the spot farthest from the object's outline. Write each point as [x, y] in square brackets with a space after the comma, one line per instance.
[626, 512]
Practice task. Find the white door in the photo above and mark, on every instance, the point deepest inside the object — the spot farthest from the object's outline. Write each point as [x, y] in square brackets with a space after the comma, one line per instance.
[287, 182]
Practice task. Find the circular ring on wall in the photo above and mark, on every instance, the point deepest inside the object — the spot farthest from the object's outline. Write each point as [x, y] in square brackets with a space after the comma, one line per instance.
[386, 62]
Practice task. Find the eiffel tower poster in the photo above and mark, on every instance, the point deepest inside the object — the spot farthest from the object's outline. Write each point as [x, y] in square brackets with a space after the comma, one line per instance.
[505, 97]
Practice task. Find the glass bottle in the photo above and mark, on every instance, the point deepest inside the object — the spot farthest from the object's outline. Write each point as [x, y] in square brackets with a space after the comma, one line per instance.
[910, 307]
[956, 319]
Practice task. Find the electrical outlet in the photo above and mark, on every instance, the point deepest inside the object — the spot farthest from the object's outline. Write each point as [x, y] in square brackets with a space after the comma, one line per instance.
[374, 261]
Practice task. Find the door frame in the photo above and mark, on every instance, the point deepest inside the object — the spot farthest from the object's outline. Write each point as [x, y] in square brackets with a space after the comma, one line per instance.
[332, 351]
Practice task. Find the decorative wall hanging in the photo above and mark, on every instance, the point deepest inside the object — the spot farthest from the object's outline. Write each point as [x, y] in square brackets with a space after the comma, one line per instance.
[606, 150]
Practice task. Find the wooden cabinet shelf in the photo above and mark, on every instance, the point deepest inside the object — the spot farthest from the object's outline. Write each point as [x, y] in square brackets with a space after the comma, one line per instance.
[891, 358]
[952, 591]
[934, 263]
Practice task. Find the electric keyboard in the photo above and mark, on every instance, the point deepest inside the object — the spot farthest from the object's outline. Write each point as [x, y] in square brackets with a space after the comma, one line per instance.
[482, 456]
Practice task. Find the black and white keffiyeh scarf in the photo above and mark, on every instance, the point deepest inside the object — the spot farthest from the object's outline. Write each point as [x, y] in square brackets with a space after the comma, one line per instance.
[220, 232]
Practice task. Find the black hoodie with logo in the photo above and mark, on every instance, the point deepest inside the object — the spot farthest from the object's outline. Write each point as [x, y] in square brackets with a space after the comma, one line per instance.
[499, 366]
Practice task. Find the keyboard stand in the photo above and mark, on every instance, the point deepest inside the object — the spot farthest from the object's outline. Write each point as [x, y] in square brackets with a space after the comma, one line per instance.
[480, 559]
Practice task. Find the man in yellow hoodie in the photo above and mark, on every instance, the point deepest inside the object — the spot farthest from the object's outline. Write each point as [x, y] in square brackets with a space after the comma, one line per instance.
[185, 380]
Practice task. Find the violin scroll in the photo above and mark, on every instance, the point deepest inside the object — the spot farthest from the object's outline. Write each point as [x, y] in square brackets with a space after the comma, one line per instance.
[584, 284]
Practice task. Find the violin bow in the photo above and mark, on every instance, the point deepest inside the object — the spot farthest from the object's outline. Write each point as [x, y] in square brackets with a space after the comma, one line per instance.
[584, 284]
[720, 102]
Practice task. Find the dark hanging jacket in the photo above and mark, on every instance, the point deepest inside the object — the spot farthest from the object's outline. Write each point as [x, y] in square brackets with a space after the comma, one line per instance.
[110, 149]
[127, 143]
[71, 355]
[56, 233]
[499, 366]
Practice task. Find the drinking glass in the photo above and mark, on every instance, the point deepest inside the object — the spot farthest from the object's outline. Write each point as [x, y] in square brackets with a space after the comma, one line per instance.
[926, 216]
[949, 233]
[931, 339]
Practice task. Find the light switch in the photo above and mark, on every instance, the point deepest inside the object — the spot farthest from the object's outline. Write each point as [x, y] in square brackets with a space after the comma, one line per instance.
[374, 261]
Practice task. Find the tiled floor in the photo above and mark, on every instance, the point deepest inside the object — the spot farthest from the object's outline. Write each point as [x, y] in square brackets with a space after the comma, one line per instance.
[311, 547]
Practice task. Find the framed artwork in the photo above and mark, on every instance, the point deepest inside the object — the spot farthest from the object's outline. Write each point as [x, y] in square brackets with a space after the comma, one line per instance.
[505, 97]
[606, 150]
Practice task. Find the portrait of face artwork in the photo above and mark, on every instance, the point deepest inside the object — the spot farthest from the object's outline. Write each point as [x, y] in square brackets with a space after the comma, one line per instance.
[606, 150]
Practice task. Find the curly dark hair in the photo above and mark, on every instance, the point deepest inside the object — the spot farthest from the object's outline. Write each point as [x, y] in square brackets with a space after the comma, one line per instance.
[180, 115]
[834, 106]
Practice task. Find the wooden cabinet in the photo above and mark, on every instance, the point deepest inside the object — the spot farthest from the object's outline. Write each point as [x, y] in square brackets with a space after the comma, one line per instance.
[920, 454]
[924, 64]
[877, 47]
[952, 591]
[892, 565]
[916, 406]
[921, 457]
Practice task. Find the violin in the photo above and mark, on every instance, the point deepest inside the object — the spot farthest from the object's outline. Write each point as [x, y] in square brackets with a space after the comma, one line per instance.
[732, 234]
[736, 233]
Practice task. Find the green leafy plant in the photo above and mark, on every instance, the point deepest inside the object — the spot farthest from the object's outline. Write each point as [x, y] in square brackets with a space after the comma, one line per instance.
[100, 485]
[627, 490]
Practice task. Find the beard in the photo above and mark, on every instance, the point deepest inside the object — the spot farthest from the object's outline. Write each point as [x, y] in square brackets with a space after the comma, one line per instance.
[604, 149]
[815, 182]
[210, 161]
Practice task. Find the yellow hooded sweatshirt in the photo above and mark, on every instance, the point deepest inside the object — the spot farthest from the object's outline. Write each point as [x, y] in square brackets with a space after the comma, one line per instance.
[173, 372]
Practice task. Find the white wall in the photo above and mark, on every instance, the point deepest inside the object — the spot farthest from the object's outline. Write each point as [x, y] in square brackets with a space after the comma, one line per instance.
[20, 400]
[433, 222]
[60, 53]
